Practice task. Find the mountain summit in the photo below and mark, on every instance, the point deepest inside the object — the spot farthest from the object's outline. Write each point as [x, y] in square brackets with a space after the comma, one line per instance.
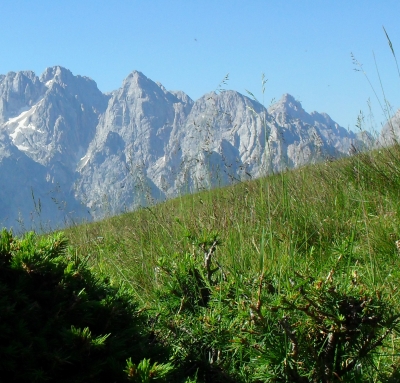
[68, 151]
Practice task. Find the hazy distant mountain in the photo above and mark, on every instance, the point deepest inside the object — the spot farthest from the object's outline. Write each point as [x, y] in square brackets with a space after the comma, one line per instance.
[390, 133]
[68, 151]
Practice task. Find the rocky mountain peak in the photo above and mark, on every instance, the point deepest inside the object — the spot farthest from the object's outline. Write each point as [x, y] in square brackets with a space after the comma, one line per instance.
[18, 91]
[137, 79]
[137, 85]
[289, 106]
[290, 101]
[390, 133]
[58, 73]
[134, 76]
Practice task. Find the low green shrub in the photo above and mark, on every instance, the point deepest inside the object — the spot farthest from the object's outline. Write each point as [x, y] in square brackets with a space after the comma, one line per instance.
[300, 326]
[59, 322]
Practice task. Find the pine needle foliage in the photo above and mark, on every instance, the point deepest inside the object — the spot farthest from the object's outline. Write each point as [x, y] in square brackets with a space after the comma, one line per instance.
[299, 328]
[59, 322]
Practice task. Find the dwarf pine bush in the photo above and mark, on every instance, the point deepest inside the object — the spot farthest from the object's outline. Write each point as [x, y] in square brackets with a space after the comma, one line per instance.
[61, 323]
[296, 327]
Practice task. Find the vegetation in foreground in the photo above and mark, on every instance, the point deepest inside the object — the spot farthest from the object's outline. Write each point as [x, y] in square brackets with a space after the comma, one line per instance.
[61, 323]
[290, 278]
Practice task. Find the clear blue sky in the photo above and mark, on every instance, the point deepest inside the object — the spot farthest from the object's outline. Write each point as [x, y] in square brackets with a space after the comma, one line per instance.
[302, 46]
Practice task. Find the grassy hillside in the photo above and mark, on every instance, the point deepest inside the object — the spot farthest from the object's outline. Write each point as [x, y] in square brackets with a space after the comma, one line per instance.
[298, 219]
[331, 227]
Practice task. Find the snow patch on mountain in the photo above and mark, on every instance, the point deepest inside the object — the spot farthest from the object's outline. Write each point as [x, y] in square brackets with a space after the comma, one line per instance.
[20, 126]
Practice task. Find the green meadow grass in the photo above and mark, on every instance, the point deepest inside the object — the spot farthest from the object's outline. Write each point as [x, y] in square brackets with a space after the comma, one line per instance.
[336, 223]
[296, 219]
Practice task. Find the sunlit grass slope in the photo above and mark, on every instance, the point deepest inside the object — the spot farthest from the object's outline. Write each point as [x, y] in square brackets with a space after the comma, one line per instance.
[294, 220]
[248, 281]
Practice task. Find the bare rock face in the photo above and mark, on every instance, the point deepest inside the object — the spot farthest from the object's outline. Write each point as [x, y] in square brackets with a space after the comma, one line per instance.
[60, 121]
[141, 143]
[27, 199]
[390, 133]
[18, 92]
[303, 138]
[49, 120]
[132, 137]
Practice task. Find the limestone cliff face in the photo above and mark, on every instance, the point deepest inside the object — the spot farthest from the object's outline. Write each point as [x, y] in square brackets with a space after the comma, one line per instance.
[49, 122]
[132, 138]
[141, 143]
[390, 133]
[18, 92]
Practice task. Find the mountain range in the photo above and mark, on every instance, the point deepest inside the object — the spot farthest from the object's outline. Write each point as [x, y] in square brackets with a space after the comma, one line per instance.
[70, 152]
